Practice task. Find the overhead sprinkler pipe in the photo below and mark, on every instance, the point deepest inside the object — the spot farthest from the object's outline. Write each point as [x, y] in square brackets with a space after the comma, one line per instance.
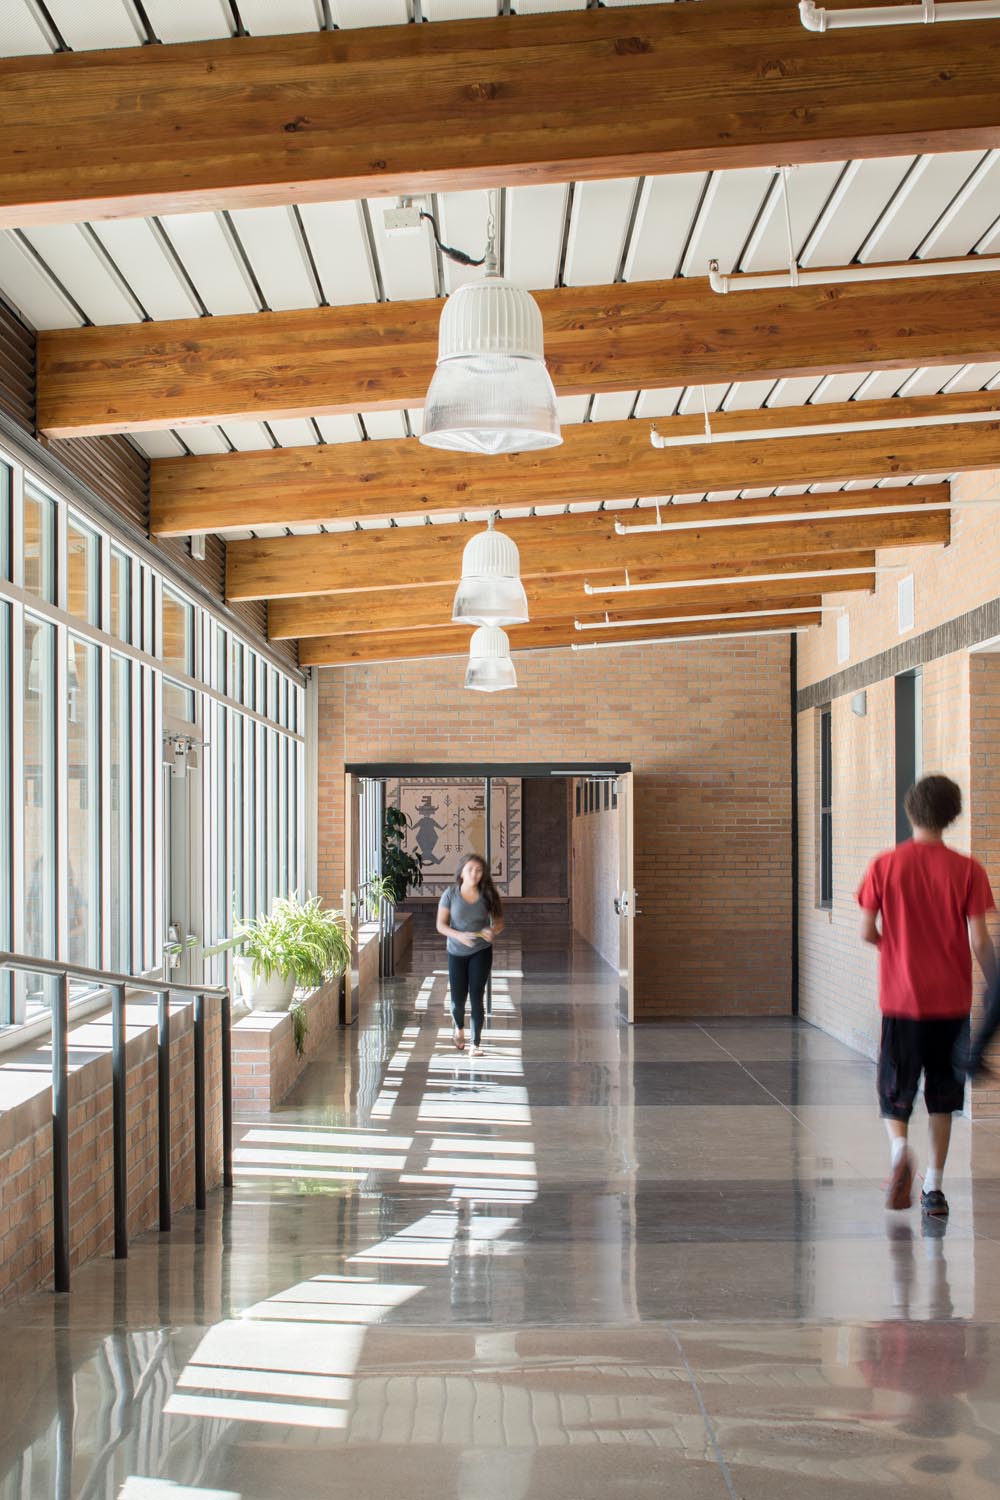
[816, 18]
[822, 429]
[837, 275]
[770, 518]
[680, 640]
[739, 614]
[661, 586]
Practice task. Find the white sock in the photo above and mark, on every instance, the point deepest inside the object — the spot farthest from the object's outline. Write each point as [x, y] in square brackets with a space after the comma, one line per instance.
[898, 1145]
[932, 1179]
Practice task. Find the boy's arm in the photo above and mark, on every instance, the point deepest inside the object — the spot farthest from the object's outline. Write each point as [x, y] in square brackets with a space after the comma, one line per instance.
[869, 928]
[982, 947]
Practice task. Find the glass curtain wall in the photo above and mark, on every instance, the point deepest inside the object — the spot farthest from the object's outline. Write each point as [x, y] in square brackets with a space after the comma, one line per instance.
[101, 658]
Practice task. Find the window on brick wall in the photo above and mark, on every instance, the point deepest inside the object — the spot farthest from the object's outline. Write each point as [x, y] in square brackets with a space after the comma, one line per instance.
[826, 808]
[909, 748]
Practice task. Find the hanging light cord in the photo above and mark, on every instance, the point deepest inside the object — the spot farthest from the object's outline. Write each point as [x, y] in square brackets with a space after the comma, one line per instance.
[458, 256]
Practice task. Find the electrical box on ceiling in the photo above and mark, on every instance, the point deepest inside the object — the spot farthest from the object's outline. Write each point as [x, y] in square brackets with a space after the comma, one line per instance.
[399, 221]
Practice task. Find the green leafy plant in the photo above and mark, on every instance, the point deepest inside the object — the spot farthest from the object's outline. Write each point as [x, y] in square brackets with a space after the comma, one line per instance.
[300, 1028]
[298, 938]
[401, 872]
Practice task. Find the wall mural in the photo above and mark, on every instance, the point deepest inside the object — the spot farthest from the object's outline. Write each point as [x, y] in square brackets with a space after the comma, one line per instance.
[446, 819]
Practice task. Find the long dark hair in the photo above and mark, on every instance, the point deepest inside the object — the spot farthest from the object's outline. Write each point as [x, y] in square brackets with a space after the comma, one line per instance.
[488, 891]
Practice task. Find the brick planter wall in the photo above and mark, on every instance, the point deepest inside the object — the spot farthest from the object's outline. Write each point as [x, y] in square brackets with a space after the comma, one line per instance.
[265, 1063]
[26, 1140]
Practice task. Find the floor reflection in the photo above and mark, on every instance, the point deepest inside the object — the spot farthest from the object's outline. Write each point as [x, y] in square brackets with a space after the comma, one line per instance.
[596, 1261]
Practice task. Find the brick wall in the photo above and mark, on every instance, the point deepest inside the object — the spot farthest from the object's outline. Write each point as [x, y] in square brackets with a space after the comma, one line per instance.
[706, 728]
[26, 1146]
[595, 876]
[961, 738]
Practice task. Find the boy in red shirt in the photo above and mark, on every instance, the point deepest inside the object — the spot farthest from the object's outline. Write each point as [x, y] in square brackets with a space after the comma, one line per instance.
[931, 900]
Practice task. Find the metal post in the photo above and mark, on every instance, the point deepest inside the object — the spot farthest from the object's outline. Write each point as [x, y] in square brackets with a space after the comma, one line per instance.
[119, 1119]
[60, 1134]
[200, 1190]
[488, 852]
[227, 1089]
[163, 1101]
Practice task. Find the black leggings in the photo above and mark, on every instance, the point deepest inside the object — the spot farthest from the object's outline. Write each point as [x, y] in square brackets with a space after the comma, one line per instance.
[467, 976]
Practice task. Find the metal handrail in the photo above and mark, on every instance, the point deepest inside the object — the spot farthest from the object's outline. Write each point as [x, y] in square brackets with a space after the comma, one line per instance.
[118, 984]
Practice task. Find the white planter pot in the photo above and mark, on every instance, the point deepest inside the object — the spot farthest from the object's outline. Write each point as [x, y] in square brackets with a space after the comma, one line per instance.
[263, 994]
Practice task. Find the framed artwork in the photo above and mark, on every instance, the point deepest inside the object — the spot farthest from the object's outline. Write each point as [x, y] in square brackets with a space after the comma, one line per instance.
[446, 819]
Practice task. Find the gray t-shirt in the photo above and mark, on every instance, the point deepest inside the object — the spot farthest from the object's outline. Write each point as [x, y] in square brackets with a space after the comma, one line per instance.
[464, 916]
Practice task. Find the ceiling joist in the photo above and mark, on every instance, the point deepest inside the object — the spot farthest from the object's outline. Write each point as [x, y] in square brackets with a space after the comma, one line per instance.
[643, 335]
[453, 640]
[409, 557]
[379, 481]
[549, 598]
[258, 121]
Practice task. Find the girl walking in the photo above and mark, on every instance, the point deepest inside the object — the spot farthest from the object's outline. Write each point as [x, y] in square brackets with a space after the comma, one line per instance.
[470, 916]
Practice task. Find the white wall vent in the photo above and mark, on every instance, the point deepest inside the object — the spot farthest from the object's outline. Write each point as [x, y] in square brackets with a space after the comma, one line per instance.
[905, 592]
[843, 638]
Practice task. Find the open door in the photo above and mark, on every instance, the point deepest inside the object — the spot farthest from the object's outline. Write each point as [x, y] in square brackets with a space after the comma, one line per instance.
[625, 898]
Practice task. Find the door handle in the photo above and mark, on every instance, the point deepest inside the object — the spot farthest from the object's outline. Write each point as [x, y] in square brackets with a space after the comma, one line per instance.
[618, 907]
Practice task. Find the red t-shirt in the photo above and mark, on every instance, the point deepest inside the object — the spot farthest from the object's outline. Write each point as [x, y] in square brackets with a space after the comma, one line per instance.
[926, 893]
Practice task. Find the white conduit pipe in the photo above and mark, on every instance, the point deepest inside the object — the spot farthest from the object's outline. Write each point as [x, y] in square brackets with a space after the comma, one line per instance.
[822, 429]
[836, 275]
[742, 578]
[777, 517]
[736, 614]
[815, 18]
[679, 640]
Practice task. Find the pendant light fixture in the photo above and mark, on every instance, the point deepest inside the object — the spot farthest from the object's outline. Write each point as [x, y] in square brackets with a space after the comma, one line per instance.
[490, 668]
[491, 591]
[491, 392]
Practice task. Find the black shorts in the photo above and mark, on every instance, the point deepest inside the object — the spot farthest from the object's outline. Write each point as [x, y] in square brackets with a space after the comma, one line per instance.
[910, 1048]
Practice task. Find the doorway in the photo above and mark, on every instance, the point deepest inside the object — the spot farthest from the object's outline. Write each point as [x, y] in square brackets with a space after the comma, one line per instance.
[483, 822]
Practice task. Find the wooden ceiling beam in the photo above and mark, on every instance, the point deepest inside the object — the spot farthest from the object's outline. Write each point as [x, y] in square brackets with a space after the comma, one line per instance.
[410, 557]
[344, 650]
[258, 121]
[396, 609]
[623, 337]
[597, 461]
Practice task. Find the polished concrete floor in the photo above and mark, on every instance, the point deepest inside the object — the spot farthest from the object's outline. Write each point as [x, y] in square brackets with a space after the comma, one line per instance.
[597, 1263]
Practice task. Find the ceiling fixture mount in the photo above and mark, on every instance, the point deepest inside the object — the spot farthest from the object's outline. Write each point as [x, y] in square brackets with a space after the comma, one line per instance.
[491, 591]
[491, 392]
[490, 668]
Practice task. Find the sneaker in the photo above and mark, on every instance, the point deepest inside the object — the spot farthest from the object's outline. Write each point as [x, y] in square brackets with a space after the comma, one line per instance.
[934, 1204]
[899, 1193]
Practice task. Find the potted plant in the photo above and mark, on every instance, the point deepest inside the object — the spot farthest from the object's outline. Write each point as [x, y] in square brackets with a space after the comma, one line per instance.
[401, 872]
[298, 944]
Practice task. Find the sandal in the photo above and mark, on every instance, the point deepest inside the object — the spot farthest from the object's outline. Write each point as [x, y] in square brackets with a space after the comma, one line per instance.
[458, 1038]
[478, 1051]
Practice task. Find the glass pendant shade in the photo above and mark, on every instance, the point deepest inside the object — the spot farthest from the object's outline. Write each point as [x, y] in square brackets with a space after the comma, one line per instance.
[490, 668]
[491, 392]
[491, 591]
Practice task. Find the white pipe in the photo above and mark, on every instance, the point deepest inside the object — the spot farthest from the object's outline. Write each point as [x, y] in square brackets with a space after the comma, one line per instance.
[678, 640]
[815, 18]
[740, 578]
[836, 275]
[820, 429]
[736, 614]
[770, 519]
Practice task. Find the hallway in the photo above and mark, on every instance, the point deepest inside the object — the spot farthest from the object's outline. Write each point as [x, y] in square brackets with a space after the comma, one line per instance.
[597, 1262]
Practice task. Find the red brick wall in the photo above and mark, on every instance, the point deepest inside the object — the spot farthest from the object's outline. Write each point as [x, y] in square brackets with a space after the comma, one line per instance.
[706, 728]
